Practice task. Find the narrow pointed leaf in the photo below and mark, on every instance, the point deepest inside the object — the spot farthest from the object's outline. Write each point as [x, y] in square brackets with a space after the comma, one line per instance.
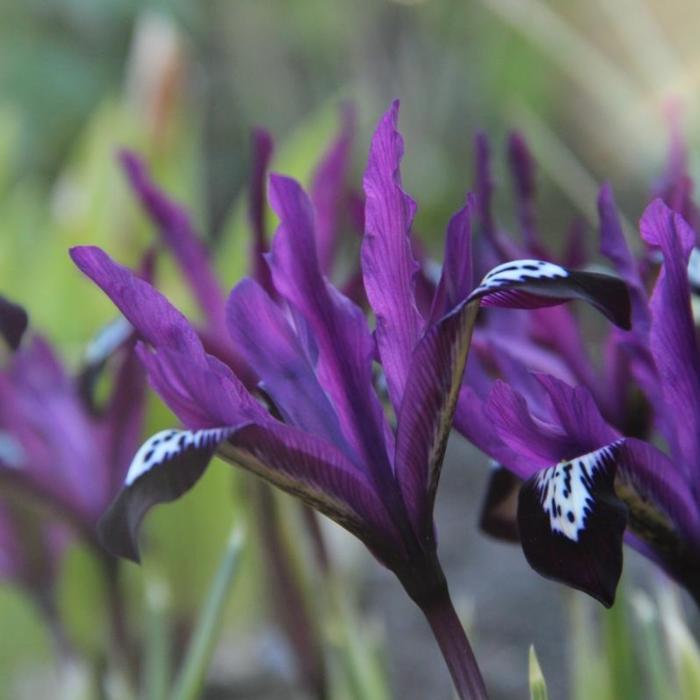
[538, 687]
[529, 284]
[571, 523]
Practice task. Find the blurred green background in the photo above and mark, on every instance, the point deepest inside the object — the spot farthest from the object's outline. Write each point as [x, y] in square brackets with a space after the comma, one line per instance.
[594, 86]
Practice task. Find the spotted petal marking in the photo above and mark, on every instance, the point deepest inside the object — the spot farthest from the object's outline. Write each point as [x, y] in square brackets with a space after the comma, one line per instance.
[530, 284]
[571, 523]
[165, 466]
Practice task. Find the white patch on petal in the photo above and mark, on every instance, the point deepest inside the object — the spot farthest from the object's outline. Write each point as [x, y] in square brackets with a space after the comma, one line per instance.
[167, 444]
[520, 271]
[694, 270]
[565, 490]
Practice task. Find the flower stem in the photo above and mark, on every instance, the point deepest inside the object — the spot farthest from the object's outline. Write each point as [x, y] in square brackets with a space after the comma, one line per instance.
[188, 684]
[455, 647]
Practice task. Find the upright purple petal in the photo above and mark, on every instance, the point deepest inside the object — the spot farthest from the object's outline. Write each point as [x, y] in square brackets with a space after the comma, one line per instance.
[263, 148]
[522, 170]
[614, 246]
[13, 322]
[343, 342]
[328, 189]
[148, 311]
[483, 184]
[426, 413]
[672, 337]
[535, 440]
[177, 233]
[434, 380]
[271, 347]
[388, 265]
[456, 278]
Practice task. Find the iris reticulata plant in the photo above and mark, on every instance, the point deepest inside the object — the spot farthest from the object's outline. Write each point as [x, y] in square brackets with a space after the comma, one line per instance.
[314, 425]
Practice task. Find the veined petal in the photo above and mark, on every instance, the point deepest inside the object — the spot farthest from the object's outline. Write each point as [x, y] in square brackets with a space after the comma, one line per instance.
[672, 336]
[177, 233]
[269, 344]
[571, 524]
[339, 328]
[13, 322]
[531, 284]
[263, 148]
[388, 265]
[456, 278]
[531, 438]
[172, 461]
[158, 322]
[427, 410]
[328, 189]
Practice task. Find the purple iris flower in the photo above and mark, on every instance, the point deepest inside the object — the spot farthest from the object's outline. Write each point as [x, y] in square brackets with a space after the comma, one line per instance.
[315, 426]
[57, 437]
[581, 438]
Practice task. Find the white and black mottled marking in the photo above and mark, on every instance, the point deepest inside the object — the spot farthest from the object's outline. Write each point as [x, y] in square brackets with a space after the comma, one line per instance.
[107, 340]
[169, 444]
[519, 271]
[566, 490]
[571, 523]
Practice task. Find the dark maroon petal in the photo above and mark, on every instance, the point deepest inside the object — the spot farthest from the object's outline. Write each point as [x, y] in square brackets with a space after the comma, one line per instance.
[672, 337]
[124, 416]
[500, 506]
[388, 265]
[179, 236]
[571, 523]
[263, 148]
[536, 283]
[13, 322]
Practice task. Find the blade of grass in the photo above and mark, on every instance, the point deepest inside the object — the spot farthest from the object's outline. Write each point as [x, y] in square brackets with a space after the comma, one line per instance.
[538, 687]
[157, 652]
[655, 658]
[188, 684]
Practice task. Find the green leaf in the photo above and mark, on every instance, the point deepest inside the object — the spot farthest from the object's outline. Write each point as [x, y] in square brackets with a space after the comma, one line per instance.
[190, 680]
[538, 687]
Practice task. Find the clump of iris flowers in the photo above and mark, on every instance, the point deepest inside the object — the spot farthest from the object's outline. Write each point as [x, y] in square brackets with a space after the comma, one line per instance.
[314, 424]
[559, 426]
